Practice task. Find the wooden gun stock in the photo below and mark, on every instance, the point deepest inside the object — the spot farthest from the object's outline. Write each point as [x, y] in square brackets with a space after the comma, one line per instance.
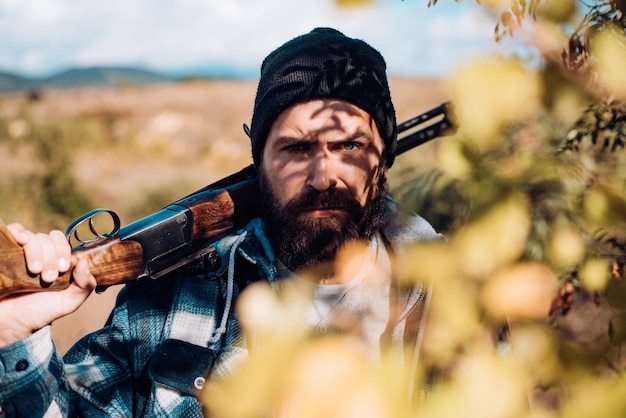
[150, 247]
[180, 233]
[111, 262]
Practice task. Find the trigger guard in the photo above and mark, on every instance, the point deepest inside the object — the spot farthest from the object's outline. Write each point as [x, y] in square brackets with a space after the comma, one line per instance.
[72, 229]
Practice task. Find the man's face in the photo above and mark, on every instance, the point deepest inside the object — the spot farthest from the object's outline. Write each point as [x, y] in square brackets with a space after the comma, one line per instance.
[322, 180]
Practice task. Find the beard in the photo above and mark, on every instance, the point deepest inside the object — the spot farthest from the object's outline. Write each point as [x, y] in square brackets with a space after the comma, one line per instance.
[304, 242]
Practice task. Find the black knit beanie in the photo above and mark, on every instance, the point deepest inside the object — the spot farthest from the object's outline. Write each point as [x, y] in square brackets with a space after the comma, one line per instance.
[323, 63]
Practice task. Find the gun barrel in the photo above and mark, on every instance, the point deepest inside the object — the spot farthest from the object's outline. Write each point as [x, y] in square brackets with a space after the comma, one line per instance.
[424, 134]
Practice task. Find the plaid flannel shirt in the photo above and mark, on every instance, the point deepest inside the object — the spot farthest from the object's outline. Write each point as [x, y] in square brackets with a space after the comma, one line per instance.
[152, 355]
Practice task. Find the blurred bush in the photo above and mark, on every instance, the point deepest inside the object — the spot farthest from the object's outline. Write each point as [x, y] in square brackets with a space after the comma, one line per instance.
[527, 316]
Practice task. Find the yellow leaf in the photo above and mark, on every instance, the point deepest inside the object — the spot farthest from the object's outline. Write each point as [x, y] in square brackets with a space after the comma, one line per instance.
[521, 291]
[483, 386]
[565, 248]
[452, 160]
[496, 239]
[609, 50]
[353, 3]
[490, 94]
[331, 379]
[594, 274]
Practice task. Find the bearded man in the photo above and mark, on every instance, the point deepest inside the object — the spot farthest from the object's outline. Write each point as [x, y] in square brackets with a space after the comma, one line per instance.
[323, 136]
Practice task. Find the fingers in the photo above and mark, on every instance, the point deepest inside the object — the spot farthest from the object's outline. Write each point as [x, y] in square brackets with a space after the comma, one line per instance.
[20, 233]
[63, 250]
[46, 254]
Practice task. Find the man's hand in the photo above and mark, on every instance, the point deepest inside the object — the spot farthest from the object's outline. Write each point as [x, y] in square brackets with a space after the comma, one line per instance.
[48, 255]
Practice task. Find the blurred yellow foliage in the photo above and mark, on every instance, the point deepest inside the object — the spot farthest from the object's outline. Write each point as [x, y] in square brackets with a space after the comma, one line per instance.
[429, 261]
[491, 94]
[452, 160]
[594, 274]
[485, 385]
[329, 379]
[453, 322]
[522, 291]
[531, 220]
[604, 205]
[566, 248]
[353, 3]
[591, 398]
[535, 349]
[556, 11]
[497, 238]
[609, 49]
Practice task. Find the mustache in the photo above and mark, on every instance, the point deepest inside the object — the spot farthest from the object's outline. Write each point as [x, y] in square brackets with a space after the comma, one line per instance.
[327, 199]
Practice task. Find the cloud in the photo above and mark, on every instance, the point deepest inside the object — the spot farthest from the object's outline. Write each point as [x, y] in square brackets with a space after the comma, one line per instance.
[44, 36]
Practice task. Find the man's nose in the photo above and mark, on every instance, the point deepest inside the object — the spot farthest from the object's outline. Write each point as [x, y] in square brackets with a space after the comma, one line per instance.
[322, 173]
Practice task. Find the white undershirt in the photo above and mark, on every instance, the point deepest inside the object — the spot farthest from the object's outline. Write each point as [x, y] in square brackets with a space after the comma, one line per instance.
[358, 308]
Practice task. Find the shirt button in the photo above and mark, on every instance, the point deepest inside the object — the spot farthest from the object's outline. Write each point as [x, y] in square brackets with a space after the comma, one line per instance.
[322, 330]
[21, 365]
[198, 382]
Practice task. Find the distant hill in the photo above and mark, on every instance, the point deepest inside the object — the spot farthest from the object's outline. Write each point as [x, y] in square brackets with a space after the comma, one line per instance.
[82, 77]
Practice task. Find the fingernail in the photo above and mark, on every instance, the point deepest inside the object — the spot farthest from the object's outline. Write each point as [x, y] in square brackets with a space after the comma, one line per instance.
[36, 266]
[49, 275]
[63, 264]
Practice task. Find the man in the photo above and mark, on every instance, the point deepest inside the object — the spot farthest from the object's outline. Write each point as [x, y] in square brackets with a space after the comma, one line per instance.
[323, 135]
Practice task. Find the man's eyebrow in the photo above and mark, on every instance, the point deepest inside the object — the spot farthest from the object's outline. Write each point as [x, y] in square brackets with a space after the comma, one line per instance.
[358, 135]
[289, 140]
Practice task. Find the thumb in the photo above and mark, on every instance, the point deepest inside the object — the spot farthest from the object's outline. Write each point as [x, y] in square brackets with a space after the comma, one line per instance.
[82, 285]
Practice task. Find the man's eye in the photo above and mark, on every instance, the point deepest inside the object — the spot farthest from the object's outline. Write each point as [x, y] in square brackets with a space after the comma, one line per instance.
[350, 146]
[296, 148]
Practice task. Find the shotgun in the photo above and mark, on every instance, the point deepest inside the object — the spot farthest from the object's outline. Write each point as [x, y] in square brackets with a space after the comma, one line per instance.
[177, 235]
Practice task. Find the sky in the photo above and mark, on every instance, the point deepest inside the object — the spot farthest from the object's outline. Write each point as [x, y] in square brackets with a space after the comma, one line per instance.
[43, 37]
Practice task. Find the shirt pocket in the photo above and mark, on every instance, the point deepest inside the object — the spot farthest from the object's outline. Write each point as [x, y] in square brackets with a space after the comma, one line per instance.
[181, 366]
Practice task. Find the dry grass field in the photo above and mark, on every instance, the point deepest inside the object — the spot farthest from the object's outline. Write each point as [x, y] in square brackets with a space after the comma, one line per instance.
[167, 140]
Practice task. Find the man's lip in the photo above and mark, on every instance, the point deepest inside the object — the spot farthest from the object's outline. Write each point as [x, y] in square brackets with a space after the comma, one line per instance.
[321, 212]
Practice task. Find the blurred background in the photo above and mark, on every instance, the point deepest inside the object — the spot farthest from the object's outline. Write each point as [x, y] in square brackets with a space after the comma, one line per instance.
[230, 38]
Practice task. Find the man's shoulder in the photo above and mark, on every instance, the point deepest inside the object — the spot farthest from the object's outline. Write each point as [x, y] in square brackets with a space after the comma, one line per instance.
[252, 239]
[403, 227]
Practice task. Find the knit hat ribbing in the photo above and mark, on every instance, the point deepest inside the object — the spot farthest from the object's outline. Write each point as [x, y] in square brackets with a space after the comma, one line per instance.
[323, 63]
